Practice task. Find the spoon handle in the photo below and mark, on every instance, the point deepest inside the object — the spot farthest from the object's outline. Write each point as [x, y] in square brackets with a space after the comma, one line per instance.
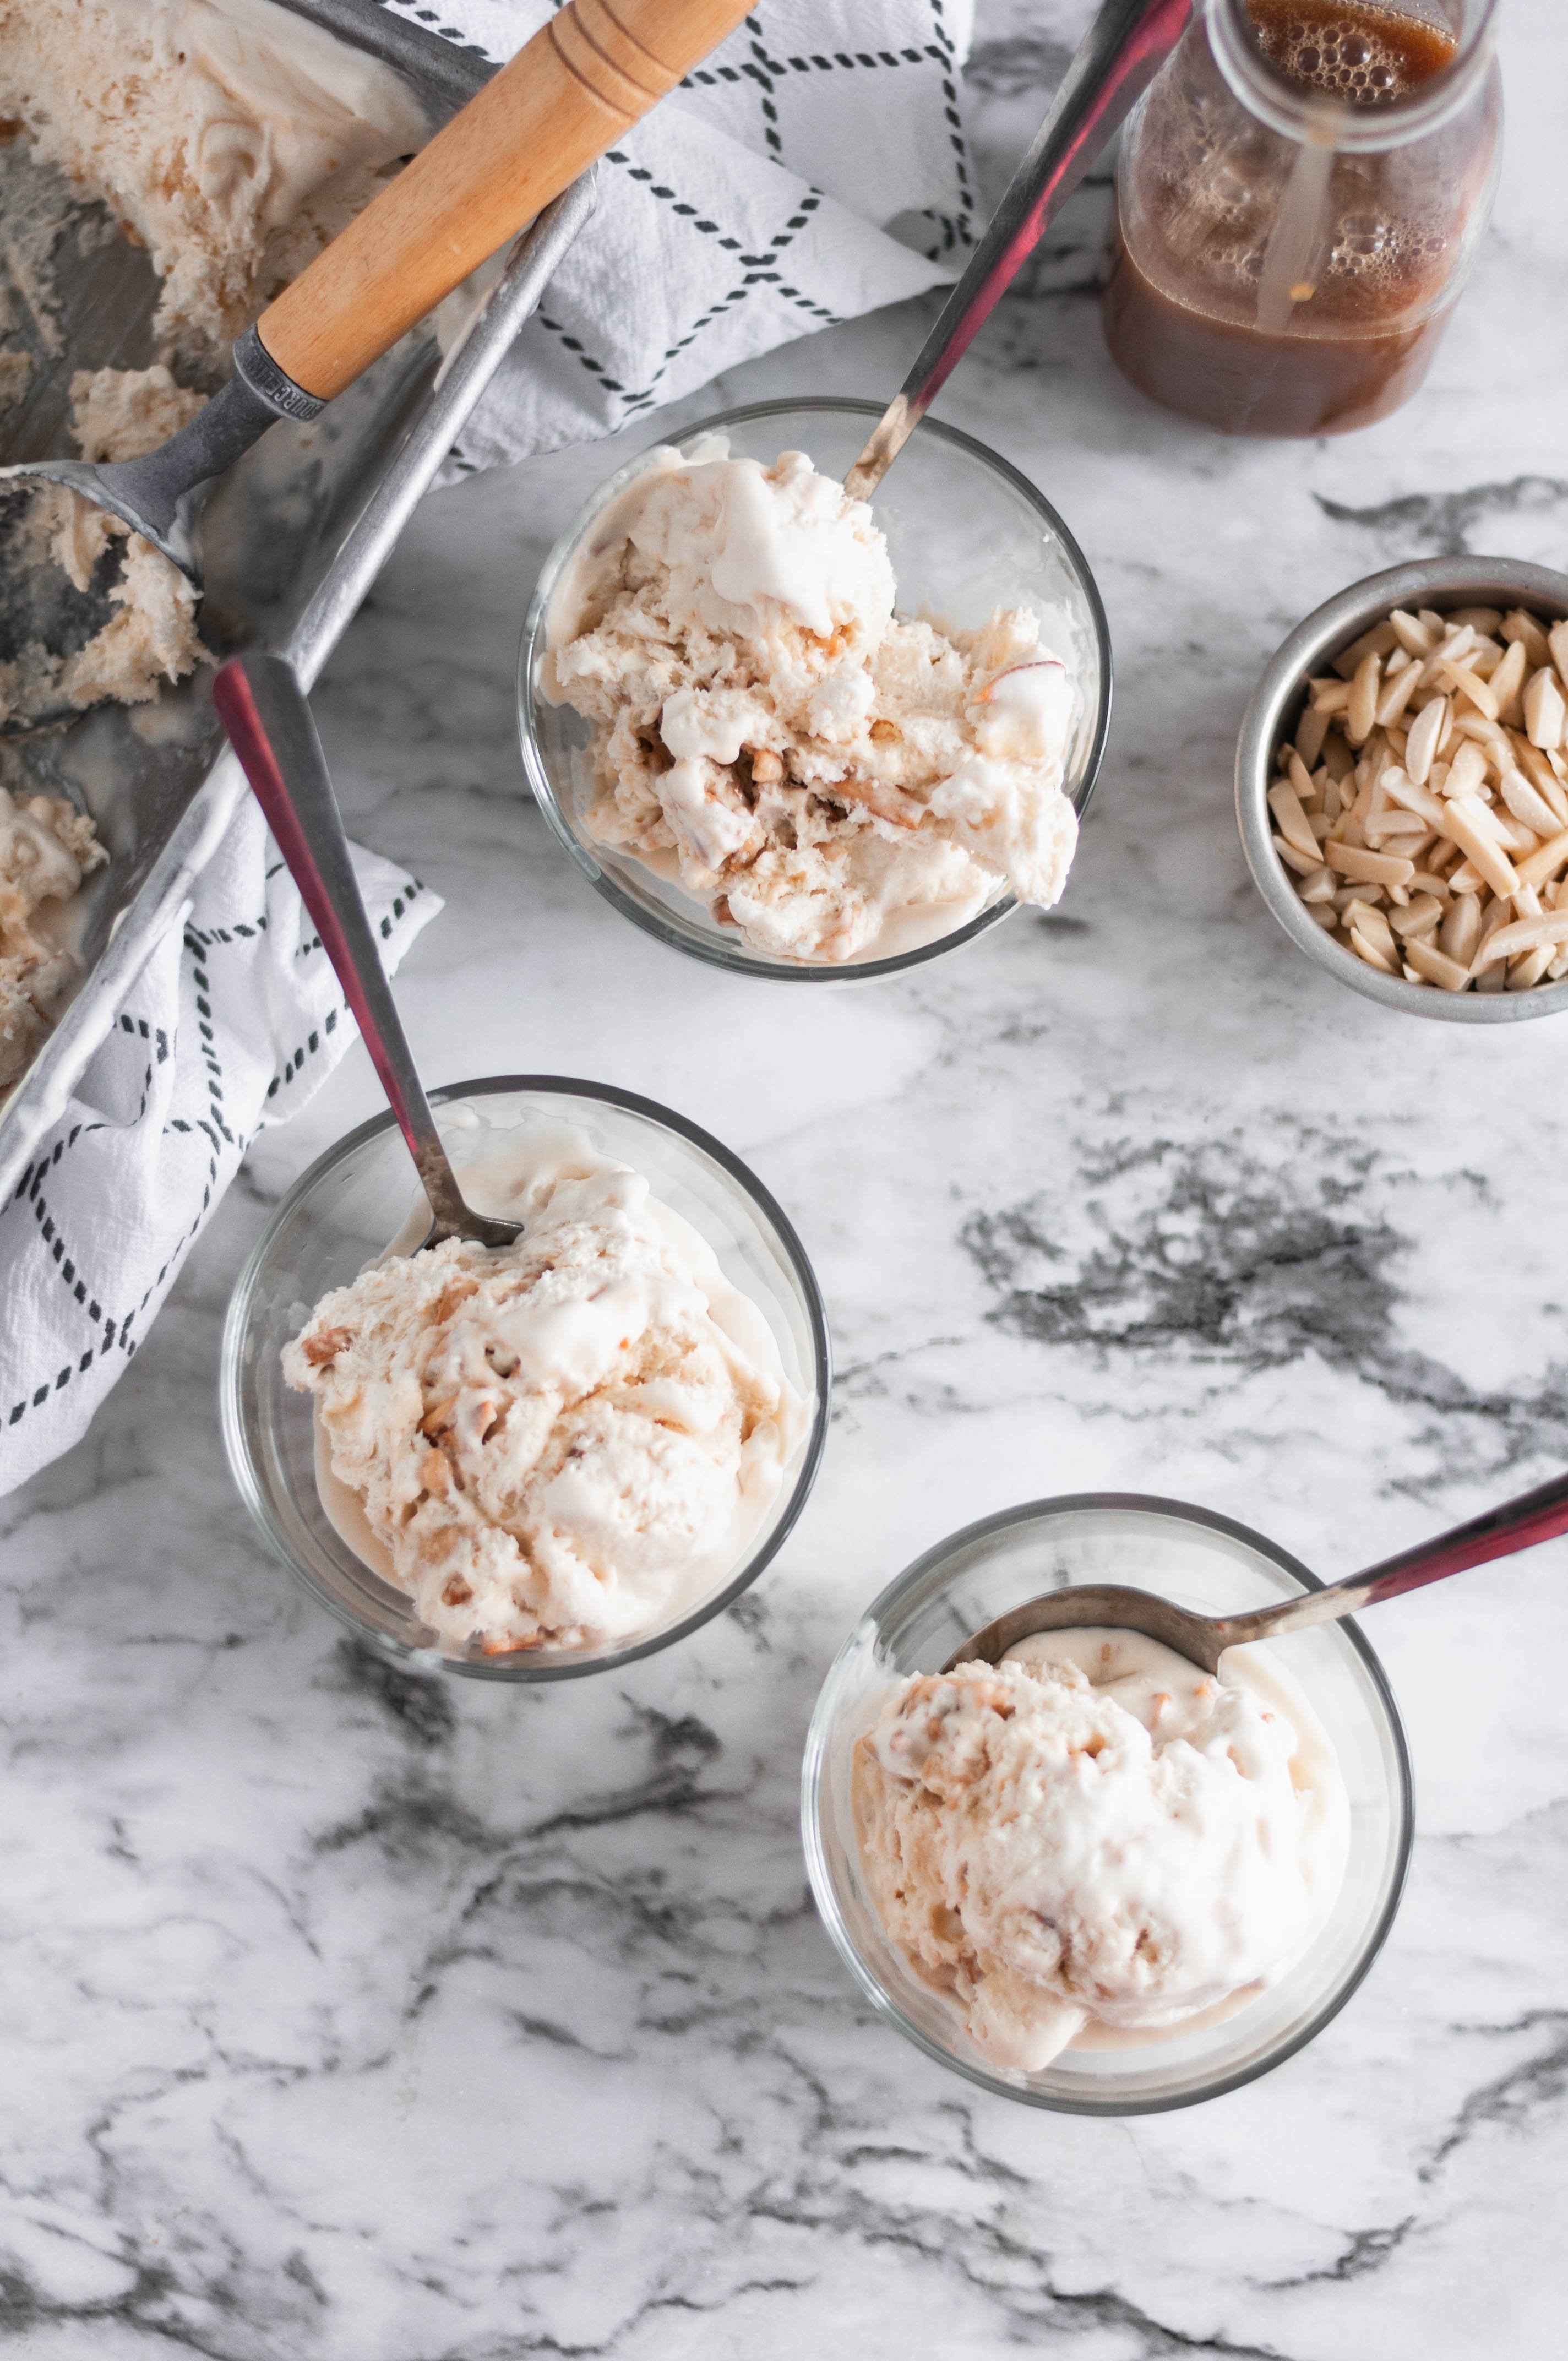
[1117, 58]
[1537, 1516]
[272, 731]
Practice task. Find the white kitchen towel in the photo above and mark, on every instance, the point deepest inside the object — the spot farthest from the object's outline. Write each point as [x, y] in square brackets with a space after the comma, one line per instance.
[236, 1021]
[812, 169]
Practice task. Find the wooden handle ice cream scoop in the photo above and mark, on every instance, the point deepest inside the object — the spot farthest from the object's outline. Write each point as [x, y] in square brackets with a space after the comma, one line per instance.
[271, 728]
[1518, 1524]
[568, 95]
[1118, 58]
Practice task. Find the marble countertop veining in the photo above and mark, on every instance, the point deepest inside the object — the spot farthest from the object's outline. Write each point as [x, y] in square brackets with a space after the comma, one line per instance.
[354, 2015]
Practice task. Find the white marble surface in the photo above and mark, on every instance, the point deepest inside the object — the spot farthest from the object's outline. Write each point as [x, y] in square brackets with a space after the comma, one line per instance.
[357, 2015]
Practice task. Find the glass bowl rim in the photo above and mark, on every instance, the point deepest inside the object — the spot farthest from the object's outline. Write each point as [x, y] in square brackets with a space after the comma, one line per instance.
[527, 1669]
[667, 930]
[1441, 582]
[1131, 1504]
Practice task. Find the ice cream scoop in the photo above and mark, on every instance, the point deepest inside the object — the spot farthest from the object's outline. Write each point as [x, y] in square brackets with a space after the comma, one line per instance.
[263, 708]
[1518, 1524]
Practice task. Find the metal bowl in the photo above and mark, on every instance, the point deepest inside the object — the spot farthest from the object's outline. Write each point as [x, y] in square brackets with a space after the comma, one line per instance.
[1440, 583]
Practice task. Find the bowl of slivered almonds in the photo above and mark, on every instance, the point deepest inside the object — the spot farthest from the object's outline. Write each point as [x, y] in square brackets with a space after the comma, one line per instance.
[1402, 788]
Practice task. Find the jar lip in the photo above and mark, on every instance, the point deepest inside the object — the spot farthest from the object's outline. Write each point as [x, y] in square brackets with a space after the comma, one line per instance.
[1308, 117]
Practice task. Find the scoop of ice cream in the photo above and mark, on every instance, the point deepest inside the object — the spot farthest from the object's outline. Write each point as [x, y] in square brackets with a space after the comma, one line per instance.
[825, 774]
[232, 136]
[557, 1442]
[46, 849]
[1093, 1832]
[152, 634]
[125, 413]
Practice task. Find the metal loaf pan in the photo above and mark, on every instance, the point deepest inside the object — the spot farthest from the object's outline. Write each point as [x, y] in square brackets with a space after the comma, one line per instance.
[293, 538]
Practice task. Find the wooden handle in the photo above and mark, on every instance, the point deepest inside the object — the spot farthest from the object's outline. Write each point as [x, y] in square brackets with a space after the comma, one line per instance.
[567, 96]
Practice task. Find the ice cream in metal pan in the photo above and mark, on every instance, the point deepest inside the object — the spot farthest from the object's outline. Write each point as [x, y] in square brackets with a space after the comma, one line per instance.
[293, 536]
[527, 134]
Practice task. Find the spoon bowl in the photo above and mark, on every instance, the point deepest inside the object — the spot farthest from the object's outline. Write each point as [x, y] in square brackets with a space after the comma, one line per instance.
[1518, 1524]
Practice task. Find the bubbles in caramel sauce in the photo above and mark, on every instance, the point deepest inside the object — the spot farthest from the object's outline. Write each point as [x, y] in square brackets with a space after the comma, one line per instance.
[1202, 197]
[1364, 56]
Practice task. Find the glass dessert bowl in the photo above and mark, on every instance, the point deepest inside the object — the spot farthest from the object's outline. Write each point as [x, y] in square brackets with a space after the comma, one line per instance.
[966, 534]
[345, 1214]
[1204, 1561]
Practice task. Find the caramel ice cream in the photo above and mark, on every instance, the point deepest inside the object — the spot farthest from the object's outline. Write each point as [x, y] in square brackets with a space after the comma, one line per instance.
[815, 767]
[564, 1443]
[231, 138]
[151, 635]
[1094, 1840]
[47, 848]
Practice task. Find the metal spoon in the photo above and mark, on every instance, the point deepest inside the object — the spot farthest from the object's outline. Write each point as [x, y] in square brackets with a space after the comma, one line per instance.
[1518, 1524]
[271, 728]
[1118, 58]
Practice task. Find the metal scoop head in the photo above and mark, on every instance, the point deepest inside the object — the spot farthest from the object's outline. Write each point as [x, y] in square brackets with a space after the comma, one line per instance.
[159, 496]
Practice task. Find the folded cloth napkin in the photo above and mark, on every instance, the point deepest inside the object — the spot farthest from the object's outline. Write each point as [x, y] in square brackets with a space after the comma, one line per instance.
[813, 168]
[236, 1021]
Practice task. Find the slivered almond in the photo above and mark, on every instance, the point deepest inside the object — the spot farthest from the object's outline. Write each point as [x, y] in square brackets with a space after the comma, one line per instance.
[1284, 802]
[1467, 683]
[1557, 642]
[1544, 710]
[1437, 967]
[1508, 680]
[1361, 712]
[1524, 974]
[1523, 627]
[1527, 805]
[1373, 923]
[1380, 641]
[1305, 864]
[1413, 635]
[1524, 935]
[1421, 743]
[1465, 822]
[1421, 919]
[1397, 694]
[1373, 868]
[1537, 770]
[1368, 951]
[1466, 771]
[1310, 732]
[1537, 867]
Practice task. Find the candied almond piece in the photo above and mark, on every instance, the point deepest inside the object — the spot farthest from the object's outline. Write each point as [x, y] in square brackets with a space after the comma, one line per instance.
[323, 1348]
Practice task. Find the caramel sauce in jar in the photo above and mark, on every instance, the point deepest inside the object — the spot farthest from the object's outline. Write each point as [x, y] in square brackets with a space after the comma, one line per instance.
[1273, 285]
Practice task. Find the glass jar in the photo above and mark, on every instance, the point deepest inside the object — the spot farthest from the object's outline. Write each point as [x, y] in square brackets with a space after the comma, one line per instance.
[1299, 196]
